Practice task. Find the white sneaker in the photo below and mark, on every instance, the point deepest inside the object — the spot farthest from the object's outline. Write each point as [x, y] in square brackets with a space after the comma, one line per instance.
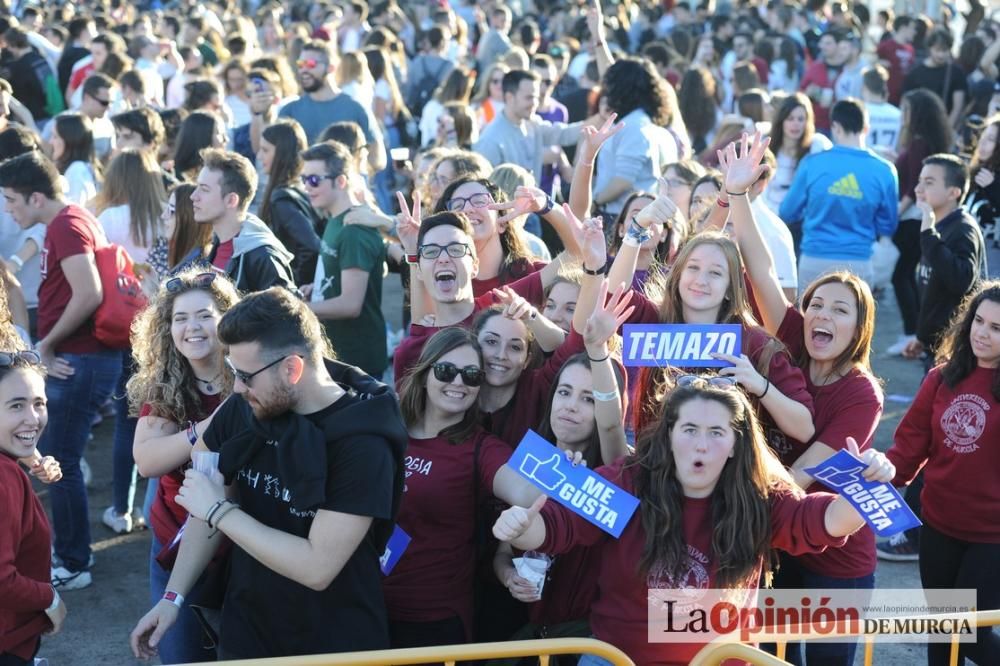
[119, 523]
[88, 476]
[64, 579]
[900, 345]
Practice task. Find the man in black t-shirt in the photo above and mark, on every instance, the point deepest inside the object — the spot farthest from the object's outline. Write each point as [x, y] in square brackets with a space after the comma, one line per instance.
[311, 453]
[940, 75]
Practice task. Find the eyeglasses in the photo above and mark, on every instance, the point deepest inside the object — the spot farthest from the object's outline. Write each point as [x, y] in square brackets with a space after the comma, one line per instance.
[313, 180]
[306, 63]
[715, 381]
[247, 377]
[477, 201]
[454, 250]
[24, 357]
[200, 281]
[446, 372]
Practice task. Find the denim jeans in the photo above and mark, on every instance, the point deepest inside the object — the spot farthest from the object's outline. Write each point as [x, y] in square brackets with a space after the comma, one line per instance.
[123, 470]
[72, 404]
[184, 642]
[791, 575]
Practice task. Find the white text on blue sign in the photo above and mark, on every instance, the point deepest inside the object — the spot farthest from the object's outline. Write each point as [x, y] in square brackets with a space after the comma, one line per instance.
[681, 345]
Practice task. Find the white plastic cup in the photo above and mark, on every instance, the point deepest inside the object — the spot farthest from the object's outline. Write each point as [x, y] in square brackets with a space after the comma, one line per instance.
[206, 462]
[533, 567]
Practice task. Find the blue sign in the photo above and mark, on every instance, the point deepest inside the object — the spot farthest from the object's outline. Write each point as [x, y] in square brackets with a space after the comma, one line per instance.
[681, 345]
[581, 490]
[879, 504]
[394, 550]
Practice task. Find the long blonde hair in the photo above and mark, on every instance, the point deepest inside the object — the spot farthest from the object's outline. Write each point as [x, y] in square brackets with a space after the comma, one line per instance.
[164, 378]
[134, 179]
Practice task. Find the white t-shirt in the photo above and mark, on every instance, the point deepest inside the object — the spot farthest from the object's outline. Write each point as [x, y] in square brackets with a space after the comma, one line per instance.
[779, 241]
[884, 121]
[117, 227]
[81, 184]
[777, 189]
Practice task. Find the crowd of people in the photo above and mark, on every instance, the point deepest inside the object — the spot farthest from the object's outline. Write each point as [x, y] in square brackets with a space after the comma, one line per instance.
[203, 203]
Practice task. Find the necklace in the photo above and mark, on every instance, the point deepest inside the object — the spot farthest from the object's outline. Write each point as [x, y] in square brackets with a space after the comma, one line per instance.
[209, 383]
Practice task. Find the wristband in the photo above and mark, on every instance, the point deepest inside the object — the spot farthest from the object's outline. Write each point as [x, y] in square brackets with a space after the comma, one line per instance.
[412, 258]
[192, 433]
[213, 510]
[736, 194]
[599, 360]
[56, 600]
[602, 396]
[721, 203]
[767, 387]
[17, 261]
[549, 204]
[638, 233]
[176, 598]
[221, 513]
[603, 270]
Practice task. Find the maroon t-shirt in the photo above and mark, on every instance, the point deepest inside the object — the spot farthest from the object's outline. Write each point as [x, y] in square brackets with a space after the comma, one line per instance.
[485, 286]
[849, 407]
[24, 563]
[900, 58]
[619, 615]
[408, 351]
[223, 254]
[433, 579]
[166, 515]
[72, 231]
[952, 434]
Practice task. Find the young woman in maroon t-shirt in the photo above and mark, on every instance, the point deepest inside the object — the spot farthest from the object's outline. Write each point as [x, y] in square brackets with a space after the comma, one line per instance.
[452, 467]
[831, 338]
[583, 414]
[29, 605]
[181, 378]
[952, 431]
[714, 501]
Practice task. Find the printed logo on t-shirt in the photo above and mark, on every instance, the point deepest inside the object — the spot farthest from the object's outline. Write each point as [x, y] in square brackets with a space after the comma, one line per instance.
[778, 442]
[271, 487]
[691, 584]
[846, 187]
[963, 422]
[44, 263]
[418, 465]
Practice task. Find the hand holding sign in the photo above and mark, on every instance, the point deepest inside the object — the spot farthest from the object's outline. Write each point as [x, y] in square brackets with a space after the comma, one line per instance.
[879, 468]
[744, 373]
[516, 520]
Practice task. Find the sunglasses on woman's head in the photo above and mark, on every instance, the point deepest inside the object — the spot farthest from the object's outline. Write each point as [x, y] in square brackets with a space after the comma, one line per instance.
[700, 381]
[199, 281]
[446, 372]
[24, 357]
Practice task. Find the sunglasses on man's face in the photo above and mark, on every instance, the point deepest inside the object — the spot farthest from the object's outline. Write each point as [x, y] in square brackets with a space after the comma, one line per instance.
[313, 179]
[446, 372]
[307, 63]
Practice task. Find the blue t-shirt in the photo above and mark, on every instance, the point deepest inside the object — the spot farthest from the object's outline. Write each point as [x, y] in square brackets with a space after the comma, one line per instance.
[317, 116]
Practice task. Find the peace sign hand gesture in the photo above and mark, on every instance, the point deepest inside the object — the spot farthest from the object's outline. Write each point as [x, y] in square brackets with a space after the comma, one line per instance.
[594, 137]
[526, 200]
[408, 223]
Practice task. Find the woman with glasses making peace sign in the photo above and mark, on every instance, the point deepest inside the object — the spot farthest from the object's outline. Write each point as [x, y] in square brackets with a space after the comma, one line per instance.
[180, 380]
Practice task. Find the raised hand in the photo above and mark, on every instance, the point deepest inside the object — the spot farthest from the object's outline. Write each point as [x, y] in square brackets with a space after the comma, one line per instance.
[593, 243]
[879, 467]
[594, 137]
[659, 211]
[606, 319]
[595, 22]
[516, 520]
[526, 200]
[743, 372]
[408, 223]
[984, 177]
[516, 307]
[741, 161]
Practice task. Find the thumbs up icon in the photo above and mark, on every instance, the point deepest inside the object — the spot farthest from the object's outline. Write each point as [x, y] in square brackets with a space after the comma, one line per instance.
[546, 473]
[838, 478]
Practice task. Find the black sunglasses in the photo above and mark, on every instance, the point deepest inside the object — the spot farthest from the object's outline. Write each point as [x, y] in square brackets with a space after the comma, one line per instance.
[102, 102]
[247, 377]
[25, 357]
[446, 372]
[313, 180]
[200, 281]
[433, 251]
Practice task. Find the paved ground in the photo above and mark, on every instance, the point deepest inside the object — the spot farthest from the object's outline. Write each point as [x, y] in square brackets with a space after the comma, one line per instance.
[101, 617]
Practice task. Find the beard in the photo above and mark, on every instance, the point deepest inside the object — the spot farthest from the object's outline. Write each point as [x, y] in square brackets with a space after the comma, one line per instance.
[279, 402]
[310, 84]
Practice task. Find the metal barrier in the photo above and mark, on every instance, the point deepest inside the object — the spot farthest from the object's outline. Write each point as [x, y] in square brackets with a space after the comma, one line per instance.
[715, 653]
[450, 654]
